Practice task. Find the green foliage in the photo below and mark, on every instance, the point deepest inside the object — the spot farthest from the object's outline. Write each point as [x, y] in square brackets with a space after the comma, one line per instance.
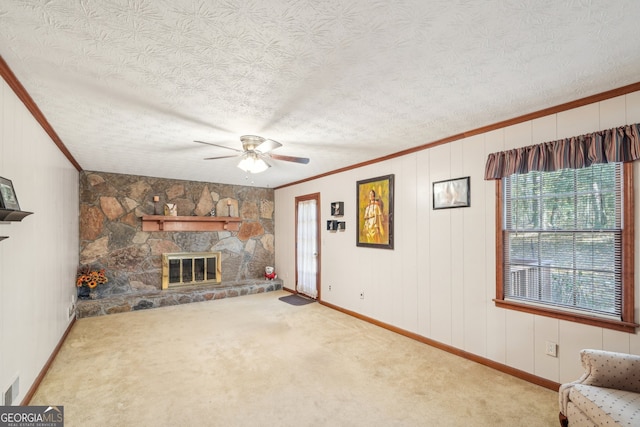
[567, 199]
[566, 225]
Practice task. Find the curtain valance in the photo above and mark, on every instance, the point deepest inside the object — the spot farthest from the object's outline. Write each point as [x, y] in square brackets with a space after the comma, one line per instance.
[621, 144]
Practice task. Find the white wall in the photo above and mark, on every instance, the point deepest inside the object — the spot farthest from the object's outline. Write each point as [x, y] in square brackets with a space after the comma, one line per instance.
[439, 280]
[38, 262]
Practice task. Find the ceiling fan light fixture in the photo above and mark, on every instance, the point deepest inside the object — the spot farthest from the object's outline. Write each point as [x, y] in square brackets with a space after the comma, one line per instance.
[252, 163]
[255, 153]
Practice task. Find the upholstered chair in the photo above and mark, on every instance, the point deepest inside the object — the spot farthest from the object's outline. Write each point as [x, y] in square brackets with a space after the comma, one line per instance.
[608, 393]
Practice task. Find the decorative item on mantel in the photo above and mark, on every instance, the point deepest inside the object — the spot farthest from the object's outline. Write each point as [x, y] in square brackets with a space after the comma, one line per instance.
[156, 205]
[170, 209]
[89, 279]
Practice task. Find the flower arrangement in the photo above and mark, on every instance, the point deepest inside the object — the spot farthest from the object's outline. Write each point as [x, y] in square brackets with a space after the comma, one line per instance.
[90, 278]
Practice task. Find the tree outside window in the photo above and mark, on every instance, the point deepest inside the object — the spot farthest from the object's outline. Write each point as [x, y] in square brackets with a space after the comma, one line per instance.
[562, 247]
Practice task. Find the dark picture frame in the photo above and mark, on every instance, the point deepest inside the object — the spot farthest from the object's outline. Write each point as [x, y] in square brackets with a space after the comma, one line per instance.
[452, 193]
[337, 208]
[8, 198]
[374, 198]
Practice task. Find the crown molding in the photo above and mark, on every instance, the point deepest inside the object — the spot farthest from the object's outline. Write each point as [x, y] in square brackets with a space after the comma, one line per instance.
[28, 102]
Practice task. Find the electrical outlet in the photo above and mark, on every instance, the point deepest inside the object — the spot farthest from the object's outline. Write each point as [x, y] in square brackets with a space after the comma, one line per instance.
[361, 294]
[329, 287]
[551, 349]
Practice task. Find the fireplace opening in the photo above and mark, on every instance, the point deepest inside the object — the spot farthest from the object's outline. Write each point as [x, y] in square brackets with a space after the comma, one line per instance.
[191, 268]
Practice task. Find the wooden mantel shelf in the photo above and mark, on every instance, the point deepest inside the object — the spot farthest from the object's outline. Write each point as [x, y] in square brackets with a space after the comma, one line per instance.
[190, 223]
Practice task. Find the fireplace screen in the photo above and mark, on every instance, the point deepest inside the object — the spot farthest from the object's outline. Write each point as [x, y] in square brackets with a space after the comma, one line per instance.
[191, 268]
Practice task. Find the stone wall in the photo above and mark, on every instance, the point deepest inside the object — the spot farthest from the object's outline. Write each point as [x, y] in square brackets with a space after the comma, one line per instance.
[111, 235]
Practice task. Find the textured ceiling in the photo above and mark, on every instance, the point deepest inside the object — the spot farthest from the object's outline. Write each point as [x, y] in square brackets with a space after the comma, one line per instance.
[129, 84]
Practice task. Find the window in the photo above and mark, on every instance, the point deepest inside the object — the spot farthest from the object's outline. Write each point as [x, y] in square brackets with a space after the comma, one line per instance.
[565, 244]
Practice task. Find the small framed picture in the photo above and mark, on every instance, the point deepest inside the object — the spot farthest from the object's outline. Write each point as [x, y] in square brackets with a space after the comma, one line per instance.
[8, 199]
[452, 193]
[332, 225]
[337, 208]
[342, 225]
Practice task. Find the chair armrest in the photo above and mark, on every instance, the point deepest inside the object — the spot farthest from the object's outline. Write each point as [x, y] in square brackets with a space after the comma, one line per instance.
[607, 369]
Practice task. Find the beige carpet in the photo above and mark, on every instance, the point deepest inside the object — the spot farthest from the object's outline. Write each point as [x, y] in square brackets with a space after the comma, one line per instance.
[257, 361]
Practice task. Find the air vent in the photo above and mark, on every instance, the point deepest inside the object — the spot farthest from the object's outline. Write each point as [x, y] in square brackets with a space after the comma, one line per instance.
[12, 392]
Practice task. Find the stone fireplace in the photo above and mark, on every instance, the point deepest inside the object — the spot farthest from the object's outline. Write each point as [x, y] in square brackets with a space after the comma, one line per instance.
[191, 268]
[113, 236]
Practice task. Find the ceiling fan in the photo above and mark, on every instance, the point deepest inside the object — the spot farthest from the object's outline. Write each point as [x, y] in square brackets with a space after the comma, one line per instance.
[255, 151]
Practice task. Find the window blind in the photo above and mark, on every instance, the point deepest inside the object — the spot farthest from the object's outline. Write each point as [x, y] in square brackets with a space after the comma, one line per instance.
[563, 239]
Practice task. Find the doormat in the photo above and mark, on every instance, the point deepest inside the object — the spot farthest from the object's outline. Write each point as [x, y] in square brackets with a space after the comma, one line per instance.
[296, 299]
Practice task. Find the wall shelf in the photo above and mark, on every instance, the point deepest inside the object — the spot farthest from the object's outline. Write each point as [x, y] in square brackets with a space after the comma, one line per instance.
[190, 223]
[9, 215]
[3, 237]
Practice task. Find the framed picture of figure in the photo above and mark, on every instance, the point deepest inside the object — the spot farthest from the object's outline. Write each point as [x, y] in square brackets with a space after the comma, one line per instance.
[337, 208]
[375, 212]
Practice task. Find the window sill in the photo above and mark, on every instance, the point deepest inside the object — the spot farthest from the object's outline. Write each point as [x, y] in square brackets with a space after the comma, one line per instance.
[616, 325]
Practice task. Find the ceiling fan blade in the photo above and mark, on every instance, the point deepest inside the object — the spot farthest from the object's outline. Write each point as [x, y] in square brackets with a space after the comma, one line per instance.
[220, 157]
[267, 145]
[302, 160]
[217, 145]
[264, 158]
